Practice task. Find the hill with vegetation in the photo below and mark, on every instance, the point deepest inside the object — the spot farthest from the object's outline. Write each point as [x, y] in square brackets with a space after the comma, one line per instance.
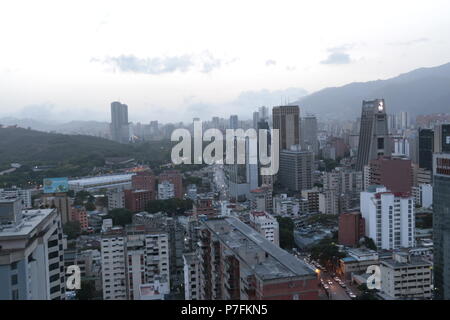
[69, 155]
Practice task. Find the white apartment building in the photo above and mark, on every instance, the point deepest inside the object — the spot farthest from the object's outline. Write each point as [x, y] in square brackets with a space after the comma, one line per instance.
[166, 190]
[423, 195]
[406, 277]
[116, 199]
[31, 255]
[266, 225]
[113, 264]
[191, 276]
[133, 260]
[329, 202]
[389, 218]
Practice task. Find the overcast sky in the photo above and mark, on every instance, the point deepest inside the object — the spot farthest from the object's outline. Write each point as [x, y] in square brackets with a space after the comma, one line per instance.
[174, 60]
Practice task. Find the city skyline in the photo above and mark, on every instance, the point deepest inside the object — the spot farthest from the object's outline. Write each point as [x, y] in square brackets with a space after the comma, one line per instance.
[81, 68]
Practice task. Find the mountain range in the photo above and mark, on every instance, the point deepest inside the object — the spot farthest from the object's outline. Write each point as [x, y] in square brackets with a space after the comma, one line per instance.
[421, 91]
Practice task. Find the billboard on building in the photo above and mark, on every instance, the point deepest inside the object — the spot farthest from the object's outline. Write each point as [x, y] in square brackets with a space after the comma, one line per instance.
[56, 185]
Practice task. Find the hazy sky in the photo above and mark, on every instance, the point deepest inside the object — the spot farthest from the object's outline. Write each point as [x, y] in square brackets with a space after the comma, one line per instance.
[174, 60]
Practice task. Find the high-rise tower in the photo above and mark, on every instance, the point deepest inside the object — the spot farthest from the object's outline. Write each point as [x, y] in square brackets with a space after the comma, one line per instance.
[120, 131]
[374, 135]
[287, 120]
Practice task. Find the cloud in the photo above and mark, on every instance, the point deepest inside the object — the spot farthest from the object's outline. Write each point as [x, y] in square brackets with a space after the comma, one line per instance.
[204, 62]
[409, 43]
[337, 58]
[338, 55]
[244, 104]
[270, 62]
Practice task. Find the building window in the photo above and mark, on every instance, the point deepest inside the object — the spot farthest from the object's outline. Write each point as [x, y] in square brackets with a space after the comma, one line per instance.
[14, 279]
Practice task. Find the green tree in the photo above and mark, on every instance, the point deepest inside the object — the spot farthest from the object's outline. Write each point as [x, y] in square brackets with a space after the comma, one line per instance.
[72, 229]
[366, 293]
[286, 231]
[120, 217]
[90, 206]
[327, 253]
[87, 290]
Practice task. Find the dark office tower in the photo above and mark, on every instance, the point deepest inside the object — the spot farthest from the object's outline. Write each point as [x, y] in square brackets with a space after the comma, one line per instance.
[255, 120]
[120, 131]
[442, 138]
[296, 169]
[309, 133]
[426, 141]
[374, 135]
[287, 120]
[234, 122]
[441, 224]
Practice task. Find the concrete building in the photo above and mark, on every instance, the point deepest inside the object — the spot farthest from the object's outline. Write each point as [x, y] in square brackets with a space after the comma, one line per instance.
[423, 195]
[266, 225]
[238, 263]
[116, 199]
[310, 140]
[351, 228]
[191, 276]
[262, 199]
[329, 202]
[288, 206]
[389, 218]
[23, 194]
[441, 224]
[374, 134]
[144, 180]
[347, 185]
[312, 196]
[358, 261]
[287, 120]
[176, 232]
[131, 258]
[174, 177]
[79, 214]
[120, 129]
[166, 190]
[406, 277]
[442, 138]
[296, 169]
[31, 255]
[137, 200]
[395, 174]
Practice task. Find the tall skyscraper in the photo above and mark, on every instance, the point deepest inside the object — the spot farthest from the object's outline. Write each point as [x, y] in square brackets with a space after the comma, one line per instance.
[441, 224]
[442, 138]
[120, 130]
[374, 135]
[309, 133]
[426, 142]
[234, 122]
[296, 169]
[263, 113]
[255, 120]
[287, 120]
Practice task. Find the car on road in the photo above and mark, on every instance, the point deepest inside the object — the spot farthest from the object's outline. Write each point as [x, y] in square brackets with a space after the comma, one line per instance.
[330, 282]
[352, 295]
[326, 287]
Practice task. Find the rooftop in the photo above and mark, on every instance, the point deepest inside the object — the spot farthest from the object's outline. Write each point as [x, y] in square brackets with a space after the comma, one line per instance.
[31, 219]
[243, 241]
[101, 180]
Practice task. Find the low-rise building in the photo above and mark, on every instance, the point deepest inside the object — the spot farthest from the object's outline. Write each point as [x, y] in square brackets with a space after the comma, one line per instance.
[406, 277]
